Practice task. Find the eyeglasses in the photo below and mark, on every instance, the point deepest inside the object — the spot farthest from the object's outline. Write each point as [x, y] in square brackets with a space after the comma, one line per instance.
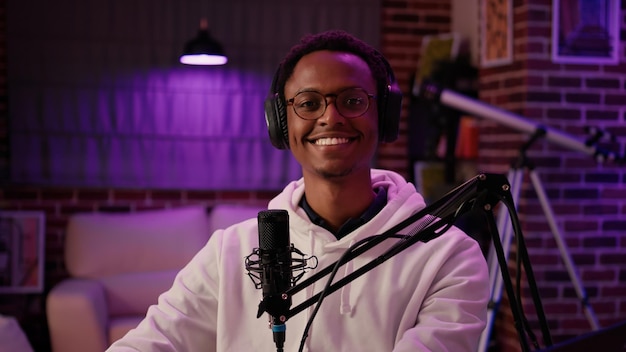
[350, 103]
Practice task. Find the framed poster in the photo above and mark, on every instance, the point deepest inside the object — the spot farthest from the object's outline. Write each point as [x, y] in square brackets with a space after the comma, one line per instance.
[21, 251]
[585, 31]
[496, 32]
[435, 49]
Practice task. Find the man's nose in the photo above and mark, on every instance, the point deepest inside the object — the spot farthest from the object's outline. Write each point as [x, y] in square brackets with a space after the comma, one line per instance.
[331, 113]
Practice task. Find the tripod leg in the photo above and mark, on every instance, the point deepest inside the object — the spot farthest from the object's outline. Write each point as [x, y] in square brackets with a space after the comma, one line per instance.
[516, 310]
[505, 230]
[580, 291]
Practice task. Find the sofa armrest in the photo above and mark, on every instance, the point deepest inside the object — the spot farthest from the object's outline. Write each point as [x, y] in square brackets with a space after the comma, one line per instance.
[77, 319]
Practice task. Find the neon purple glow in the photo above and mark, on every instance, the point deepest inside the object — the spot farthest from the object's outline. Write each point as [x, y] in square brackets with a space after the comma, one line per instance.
[203, 59]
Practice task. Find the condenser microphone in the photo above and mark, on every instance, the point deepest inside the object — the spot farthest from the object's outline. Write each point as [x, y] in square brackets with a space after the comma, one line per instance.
[275, 270]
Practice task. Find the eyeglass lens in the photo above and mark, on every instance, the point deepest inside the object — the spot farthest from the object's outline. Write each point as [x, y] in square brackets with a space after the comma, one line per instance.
[349, 103]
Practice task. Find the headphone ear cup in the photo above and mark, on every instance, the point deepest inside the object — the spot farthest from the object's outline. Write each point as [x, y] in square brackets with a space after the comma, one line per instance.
[389, 119]
[276, 120]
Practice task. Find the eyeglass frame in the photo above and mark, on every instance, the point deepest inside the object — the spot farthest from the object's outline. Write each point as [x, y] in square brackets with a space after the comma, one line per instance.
[335, 95]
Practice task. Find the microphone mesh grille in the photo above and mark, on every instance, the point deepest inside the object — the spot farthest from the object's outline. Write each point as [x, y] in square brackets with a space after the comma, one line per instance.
[273, 229]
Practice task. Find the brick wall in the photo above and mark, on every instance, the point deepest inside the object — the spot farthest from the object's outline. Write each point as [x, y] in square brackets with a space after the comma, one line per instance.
[587, 198]
[404, 25]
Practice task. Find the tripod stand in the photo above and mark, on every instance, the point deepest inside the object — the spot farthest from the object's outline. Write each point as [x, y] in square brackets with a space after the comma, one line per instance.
[515, 177]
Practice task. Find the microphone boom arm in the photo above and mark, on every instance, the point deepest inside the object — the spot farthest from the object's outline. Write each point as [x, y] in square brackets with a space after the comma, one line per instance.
[483, 191]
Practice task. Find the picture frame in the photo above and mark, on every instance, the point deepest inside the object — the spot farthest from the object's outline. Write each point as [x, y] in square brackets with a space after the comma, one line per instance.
[585, 31]
[435, 48]
[22, 245]
[496, 32]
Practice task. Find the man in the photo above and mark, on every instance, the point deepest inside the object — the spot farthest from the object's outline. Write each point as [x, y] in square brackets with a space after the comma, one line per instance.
[327, 106]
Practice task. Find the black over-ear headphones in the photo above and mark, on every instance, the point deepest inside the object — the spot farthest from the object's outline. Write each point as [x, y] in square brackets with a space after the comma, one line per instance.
[389, 108]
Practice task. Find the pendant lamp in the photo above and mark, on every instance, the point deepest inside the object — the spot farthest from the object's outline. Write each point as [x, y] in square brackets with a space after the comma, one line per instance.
[203, 49]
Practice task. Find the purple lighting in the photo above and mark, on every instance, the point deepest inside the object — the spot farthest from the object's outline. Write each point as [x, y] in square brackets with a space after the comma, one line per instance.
[203, 59]
[203, 49]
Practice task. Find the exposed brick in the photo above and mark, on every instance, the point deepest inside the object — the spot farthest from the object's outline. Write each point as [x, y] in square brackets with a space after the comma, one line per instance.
[570, 292]
[580, 226]
[600, 209]
[394, 4]
[513, 82]
[201, 195]
[612, 258]
[615, 99]
[614, 291]
[595, 115]
[542, 65]
[564, 81]
[600, 242]
[21, 193]
[612, 69]
[92, 194]
[582, 68]
[584, 258]
[128, 195]
[582, 98]
[432, 5]
[55, 194]
[437, 19]
[598, 275]
[602, 83]
[68, 209]
[602, 178]
[603, 307]
[567, 114]
[533, 80]
[545, 162]
[581, 193]
[115, 208]
[543, 97]
[48, 208]
[166, 195]
[561, 178]
[405, 18]
[556, 275]
[614, 225]
[538, 15]
[543, 259]
[614, 193]
[580, 324]
[559, 308]
[234, 195]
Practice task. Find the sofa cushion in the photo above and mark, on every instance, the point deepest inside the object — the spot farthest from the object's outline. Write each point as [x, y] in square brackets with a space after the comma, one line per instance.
[104, 244]
[12, 337]
[119, 326]
[133, 293]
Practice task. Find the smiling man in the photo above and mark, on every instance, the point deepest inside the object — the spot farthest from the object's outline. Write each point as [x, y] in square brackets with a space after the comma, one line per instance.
[333, 132]
[332, 101]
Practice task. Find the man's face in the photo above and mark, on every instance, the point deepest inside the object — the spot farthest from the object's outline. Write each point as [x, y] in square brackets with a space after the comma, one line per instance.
[332, 145]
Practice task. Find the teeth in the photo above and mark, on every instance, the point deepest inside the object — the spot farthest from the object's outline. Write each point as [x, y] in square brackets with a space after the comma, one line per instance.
[331, 141]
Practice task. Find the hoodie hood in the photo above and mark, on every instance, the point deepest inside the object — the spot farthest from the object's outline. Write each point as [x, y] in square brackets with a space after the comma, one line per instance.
[402, 202]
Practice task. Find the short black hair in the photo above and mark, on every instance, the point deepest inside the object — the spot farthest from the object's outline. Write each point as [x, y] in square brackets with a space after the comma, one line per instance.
[334, 40]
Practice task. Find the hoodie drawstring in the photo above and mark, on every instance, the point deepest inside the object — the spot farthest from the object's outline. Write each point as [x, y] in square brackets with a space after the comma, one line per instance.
[346, 306]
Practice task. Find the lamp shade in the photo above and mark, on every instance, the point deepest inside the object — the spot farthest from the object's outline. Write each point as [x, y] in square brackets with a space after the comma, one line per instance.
[203, 49]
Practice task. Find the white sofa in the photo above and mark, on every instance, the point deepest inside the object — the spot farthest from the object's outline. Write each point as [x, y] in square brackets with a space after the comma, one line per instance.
[118, 266]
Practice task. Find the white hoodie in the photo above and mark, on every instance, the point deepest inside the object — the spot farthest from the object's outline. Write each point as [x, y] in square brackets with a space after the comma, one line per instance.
[431, 297]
